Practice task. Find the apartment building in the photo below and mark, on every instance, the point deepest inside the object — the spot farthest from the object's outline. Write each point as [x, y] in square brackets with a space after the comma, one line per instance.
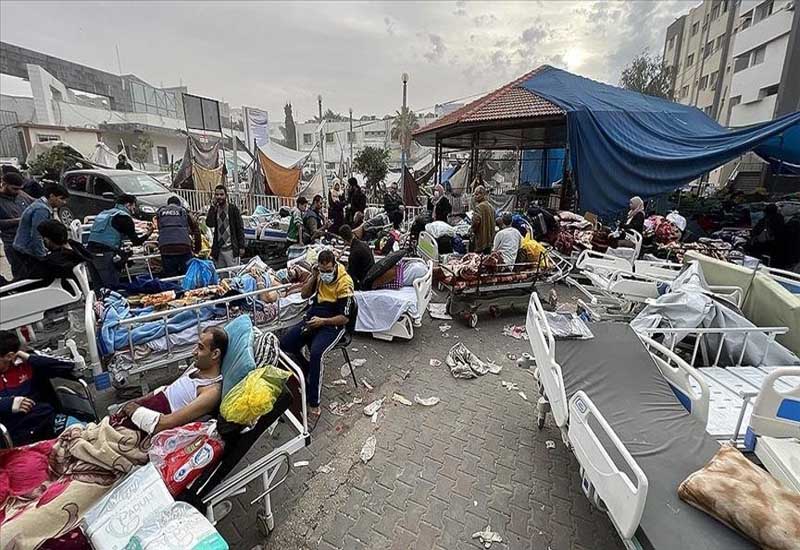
[760, 51]
[697, 49]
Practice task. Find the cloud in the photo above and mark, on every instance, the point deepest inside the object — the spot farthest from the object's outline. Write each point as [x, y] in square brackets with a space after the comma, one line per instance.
[389, 26]
[438, 48]
[461, 12]
[484, 20]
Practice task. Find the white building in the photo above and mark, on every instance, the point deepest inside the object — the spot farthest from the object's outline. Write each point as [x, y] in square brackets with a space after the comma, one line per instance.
[759, 52]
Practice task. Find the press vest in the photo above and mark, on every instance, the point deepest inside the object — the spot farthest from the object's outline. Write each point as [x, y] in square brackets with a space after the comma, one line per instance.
[173, 225]
[103, 231]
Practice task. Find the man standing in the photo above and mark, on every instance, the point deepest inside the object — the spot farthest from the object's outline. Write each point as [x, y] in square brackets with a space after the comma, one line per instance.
[28, 240]
[392, 202]
[13, 202]
[332, 310]
[356, 198]
[482, 222]
[313, 220]
[178, 237]
[226, 220]
[296, 232]
[105, 239]
[23, 410]
[507, 240]
[360, 259]
[123, 163]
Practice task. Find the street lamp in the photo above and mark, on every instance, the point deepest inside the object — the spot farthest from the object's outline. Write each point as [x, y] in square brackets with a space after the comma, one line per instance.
[404, 78]
[319, 104]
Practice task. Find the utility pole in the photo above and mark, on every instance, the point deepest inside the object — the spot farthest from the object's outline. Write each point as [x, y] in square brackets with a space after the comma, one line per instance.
[350, 138]
[404, 78]
[322, 147]
[319, 103]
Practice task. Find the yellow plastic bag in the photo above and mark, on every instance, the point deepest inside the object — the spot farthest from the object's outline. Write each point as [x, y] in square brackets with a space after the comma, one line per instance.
[535, 252]
[254, 396]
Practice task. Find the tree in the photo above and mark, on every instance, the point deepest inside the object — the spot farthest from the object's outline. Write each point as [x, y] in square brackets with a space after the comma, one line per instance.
[648, 75]
[291, 131]
[142, 150]
[331, 116]
[403, 125]
[51, 163]
[373, 162]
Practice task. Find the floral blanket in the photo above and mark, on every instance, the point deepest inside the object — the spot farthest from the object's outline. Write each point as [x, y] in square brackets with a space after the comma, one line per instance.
[45, 488]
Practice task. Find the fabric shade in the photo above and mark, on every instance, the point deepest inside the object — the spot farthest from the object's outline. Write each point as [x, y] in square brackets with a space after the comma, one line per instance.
[623, 143]
[205, 179]
[283, 156]
[280, 181]
[314, 187]
[410, 189]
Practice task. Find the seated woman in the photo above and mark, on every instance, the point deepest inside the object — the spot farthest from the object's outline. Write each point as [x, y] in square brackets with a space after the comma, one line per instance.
[195, 394]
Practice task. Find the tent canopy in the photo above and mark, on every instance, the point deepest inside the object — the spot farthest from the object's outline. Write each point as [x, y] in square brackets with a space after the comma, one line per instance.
[283, 156]
[623, 143]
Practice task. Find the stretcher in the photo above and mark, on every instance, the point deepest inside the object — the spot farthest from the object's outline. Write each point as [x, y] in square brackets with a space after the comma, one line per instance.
[413, 301]
[145, 259]
[607, 264]
[428, 249]
[24, 303]
[608, 390]
[132, 363]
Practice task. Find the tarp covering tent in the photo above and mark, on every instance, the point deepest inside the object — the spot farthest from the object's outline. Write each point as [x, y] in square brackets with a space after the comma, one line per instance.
[103, 155]
[200, 167]
[313, 187]
[623, 143]
[282, 168]
[541, 168]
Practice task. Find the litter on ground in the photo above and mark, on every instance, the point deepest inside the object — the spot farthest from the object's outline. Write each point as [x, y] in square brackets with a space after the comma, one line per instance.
[515, 331]
[373, 407]
[401, 399]
[444, 328]
[326, 469]
[465, 364]
[487, 537]
[510, 386]
[438, 311]
[522, 395]
[368, 450]
[300, 463]
[367, 384]
[426, 401]
[435, 363]
[550, 444]
[339, 382]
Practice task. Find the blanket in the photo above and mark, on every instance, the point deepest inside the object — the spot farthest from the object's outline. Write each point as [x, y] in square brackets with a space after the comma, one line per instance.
[47, 487]
[378, 310]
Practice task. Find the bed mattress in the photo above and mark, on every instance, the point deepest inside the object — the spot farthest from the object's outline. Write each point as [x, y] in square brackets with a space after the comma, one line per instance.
[620, 377]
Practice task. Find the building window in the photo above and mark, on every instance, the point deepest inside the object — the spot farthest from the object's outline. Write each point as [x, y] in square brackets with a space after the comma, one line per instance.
[308, 139]
[746, 22]
[44, 138]
[375, 134]
[163, 155]
[704, 82]
[671, 43]
[768, 91]
[329, 137]
[735, 101]
[718, 43]
[685, 91]
[713, 80]
[709, 49]
[707, 110]
[715, 12]
[690, 60]
[758, 55]
[763, 11]
[695, 27]
[725, 6]
[741, 63]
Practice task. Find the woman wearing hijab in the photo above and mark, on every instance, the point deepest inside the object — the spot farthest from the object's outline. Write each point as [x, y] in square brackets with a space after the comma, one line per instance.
[635, 219]
[439, 205]
[335, 208]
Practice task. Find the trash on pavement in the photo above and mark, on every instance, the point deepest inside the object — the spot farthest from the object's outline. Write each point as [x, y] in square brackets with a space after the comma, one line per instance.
[375, 417]
[326, 469]
[487, 537]
[511, 356]
[300, 463]
[435, 363]
[550, 444]
[400, 399]
[438, 311]
[406, 374]
[465, 364]
[510, 386]
[522, 395]
[515, 331]
[426, 401]
[344, 370]
[339, 382]
[493, 367]
[373, 407]
[444, 328]
[368, 450]
[336, 408]
[367, 384]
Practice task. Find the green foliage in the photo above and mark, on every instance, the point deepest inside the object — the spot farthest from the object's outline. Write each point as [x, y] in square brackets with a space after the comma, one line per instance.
[52, 162]
[373, 163]
[648, 75]
[404, 123]
[331, 116]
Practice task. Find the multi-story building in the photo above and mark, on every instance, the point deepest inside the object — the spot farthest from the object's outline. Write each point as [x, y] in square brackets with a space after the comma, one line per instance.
[79, 104]
[759, 55]
[697, 50]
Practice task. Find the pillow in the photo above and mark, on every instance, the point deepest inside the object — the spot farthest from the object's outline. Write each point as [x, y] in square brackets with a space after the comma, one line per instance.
[381, 267]
[743, 496]
[238, 360]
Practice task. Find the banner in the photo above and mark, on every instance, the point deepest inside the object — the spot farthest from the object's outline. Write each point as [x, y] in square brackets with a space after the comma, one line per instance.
[256, 126]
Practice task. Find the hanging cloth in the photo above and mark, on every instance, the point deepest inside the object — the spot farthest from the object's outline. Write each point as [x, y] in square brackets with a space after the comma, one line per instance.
[280, 181]
[205, 179]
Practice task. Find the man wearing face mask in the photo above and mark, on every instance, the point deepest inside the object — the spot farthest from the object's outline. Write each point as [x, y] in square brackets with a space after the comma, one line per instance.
[228, 245]
[332, 310]
[439, 205]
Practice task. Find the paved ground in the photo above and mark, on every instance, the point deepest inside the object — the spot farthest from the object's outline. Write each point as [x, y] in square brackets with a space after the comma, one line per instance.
[439, 474]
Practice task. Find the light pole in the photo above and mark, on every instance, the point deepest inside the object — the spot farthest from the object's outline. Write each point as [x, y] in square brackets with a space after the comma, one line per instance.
[350, 138]
[322, 144]
[404, 78]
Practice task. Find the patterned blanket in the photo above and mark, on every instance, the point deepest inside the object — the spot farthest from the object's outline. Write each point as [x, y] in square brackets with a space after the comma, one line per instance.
[45, 488]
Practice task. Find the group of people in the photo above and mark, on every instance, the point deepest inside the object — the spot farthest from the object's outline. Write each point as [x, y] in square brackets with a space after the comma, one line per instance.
[775, 240]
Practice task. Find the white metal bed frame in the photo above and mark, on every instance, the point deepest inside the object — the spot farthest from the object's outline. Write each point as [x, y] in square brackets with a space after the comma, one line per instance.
[404, 326]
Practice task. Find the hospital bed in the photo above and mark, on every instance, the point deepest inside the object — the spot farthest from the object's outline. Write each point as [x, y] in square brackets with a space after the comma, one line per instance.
[407, 304]
[607, 264]
[134, 361]
[147, 260]
[428, 249]
[22, 305]
[634, 440]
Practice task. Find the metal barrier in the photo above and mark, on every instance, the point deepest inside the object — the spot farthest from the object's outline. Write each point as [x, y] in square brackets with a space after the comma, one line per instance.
[247, 202]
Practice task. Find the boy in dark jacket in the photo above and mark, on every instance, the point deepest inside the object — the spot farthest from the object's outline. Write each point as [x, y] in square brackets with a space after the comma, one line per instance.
[23, 388]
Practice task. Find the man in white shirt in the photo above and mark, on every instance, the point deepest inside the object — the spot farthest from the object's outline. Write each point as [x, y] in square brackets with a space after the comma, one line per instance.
[507, 240]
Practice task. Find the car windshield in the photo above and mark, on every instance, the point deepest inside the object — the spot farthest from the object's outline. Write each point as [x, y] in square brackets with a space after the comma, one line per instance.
[138, 184]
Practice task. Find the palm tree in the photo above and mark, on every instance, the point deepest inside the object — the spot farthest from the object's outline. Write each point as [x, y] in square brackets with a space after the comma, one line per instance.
[403, 125]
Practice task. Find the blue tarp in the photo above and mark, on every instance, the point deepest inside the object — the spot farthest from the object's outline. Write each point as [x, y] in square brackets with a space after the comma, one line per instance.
[623, 143]
[541, 168]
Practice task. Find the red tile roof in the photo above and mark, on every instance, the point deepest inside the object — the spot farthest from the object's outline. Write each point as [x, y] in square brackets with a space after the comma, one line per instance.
[509, 102]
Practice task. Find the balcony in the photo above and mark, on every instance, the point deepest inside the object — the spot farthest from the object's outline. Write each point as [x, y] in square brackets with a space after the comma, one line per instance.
[774, 26]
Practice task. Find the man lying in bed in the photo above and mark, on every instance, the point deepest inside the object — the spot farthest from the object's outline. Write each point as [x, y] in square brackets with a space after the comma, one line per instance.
[195, 394]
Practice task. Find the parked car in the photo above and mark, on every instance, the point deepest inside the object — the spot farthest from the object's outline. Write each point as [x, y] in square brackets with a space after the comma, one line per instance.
[92, 191]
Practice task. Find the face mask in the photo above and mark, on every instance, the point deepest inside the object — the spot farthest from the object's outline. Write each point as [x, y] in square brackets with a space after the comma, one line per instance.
[328, 278]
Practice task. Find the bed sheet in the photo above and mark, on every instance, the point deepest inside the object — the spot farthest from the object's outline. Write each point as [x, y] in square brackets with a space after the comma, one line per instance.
[378, 310]
[620, 377]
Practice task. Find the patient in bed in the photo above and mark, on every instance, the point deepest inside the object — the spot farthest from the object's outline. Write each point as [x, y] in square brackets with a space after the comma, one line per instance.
[402, 274]
[195, 394]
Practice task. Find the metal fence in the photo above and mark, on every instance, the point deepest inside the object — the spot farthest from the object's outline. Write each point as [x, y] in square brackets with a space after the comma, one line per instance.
[247, 202]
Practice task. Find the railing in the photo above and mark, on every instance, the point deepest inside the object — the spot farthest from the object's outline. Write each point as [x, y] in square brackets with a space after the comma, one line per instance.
[247, 202]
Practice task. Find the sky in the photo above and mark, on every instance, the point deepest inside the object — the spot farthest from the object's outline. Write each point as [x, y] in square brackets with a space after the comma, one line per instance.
[264, 54]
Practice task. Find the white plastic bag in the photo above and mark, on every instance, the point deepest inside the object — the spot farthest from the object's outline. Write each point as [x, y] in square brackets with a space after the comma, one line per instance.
[178, 527]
